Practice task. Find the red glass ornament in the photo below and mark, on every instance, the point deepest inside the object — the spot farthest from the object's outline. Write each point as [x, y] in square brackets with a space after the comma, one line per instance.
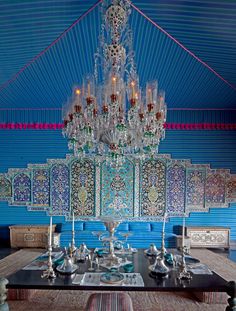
[150, 107]
[158, 116]
[132, 102]
[113, 98]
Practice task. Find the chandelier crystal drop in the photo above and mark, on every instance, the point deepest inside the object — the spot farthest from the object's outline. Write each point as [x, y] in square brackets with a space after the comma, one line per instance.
[110, 115]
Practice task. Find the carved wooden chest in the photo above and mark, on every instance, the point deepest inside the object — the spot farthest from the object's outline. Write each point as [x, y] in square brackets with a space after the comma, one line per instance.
[29, 235]
[210, 237]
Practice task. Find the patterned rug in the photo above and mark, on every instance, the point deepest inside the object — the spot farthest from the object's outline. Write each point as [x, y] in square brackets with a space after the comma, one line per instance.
[142, 301]
[18, 260]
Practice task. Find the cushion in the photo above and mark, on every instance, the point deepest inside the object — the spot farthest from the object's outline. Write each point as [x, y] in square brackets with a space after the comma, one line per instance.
[124, 226]
[109, 302]
[156, 226]
[94, 226]
[140, 226]
[67, 226]
[212, 297]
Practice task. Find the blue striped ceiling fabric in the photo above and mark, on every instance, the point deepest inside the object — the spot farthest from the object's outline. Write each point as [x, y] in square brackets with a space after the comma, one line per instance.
[32, 77]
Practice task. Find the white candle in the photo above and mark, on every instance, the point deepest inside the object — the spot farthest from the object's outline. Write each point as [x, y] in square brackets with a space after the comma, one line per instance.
[164, 223]
[50, 232]
[73, 221]
[183, 231]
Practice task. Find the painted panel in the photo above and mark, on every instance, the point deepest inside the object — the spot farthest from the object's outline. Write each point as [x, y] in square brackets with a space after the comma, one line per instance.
[21, 189]
[195, 188]
[60, 189]
[152, 189]
[5, 188]
[117, 190]
[231, 188]
[215, 188]
[83, 188]
[40, 187]
[175, 188]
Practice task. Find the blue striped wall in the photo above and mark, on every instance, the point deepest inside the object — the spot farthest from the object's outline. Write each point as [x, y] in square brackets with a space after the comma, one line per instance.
[18, 148]
[54, 115]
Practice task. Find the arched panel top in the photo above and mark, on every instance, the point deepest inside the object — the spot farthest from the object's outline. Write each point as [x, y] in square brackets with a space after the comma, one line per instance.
[60, 189]
[21, 189]
[5, 188]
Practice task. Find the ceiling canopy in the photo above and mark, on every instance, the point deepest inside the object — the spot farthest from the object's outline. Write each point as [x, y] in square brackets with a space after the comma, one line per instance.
[189, 46]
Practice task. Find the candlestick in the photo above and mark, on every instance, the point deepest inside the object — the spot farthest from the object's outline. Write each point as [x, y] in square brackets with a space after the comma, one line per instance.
[163, 249]
[50, 232]
[49, 273]
[164, 222]
[183, 273]
[73, 221]
[72, 247]
[183, 232]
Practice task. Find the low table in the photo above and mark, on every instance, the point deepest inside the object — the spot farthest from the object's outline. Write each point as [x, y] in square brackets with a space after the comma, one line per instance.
[199, 283]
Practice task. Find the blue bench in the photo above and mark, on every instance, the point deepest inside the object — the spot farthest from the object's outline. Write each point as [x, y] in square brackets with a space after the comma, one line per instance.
[143, 233]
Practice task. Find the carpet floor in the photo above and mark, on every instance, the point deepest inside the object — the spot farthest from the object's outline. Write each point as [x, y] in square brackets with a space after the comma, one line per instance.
[71, 300]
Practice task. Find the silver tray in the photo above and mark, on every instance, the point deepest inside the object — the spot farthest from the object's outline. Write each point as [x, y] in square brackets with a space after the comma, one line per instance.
[158, 273]
[112, 278]
[62, 270]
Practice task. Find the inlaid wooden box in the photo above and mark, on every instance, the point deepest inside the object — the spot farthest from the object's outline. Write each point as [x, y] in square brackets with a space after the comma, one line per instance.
[210, 237]
[29, 235]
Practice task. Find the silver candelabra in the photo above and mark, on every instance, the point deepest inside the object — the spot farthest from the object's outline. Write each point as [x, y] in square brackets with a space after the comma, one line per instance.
[49, 273]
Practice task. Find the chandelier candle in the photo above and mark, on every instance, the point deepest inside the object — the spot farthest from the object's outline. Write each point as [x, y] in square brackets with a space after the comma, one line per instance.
[113, 116]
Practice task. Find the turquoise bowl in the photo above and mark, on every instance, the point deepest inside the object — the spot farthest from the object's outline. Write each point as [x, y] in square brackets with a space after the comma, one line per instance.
[128, 268]
[169, 258]
[113, 269]
[100, 252]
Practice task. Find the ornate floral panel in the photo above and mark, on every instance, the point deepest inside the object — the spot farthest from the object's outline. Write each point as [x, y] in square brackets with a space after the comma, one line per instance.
[60, 189]
[152, 188]
[5, 187]
[40, 187]
[139, 190]
[231, 188]
[117, 190]
[21, 189]
[195, 188]
[83, 188]
[175, 188]
[215, 188]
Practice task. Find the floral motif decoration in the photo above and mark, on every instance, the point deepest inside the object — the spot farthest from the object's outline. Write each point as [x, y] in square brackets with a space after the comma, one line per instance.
[5, 188]
[153, 180]
[40, 187]
[83, 188]
[60, 189]
[195, 196]
[117, 190]
[231, 189]
[215, 188]
[175, 189]
[22, 189]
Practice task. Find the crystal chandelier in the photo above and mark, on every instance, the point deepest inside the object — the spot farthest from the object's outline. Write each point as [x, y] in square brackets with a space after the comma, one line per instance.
[110, 115]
